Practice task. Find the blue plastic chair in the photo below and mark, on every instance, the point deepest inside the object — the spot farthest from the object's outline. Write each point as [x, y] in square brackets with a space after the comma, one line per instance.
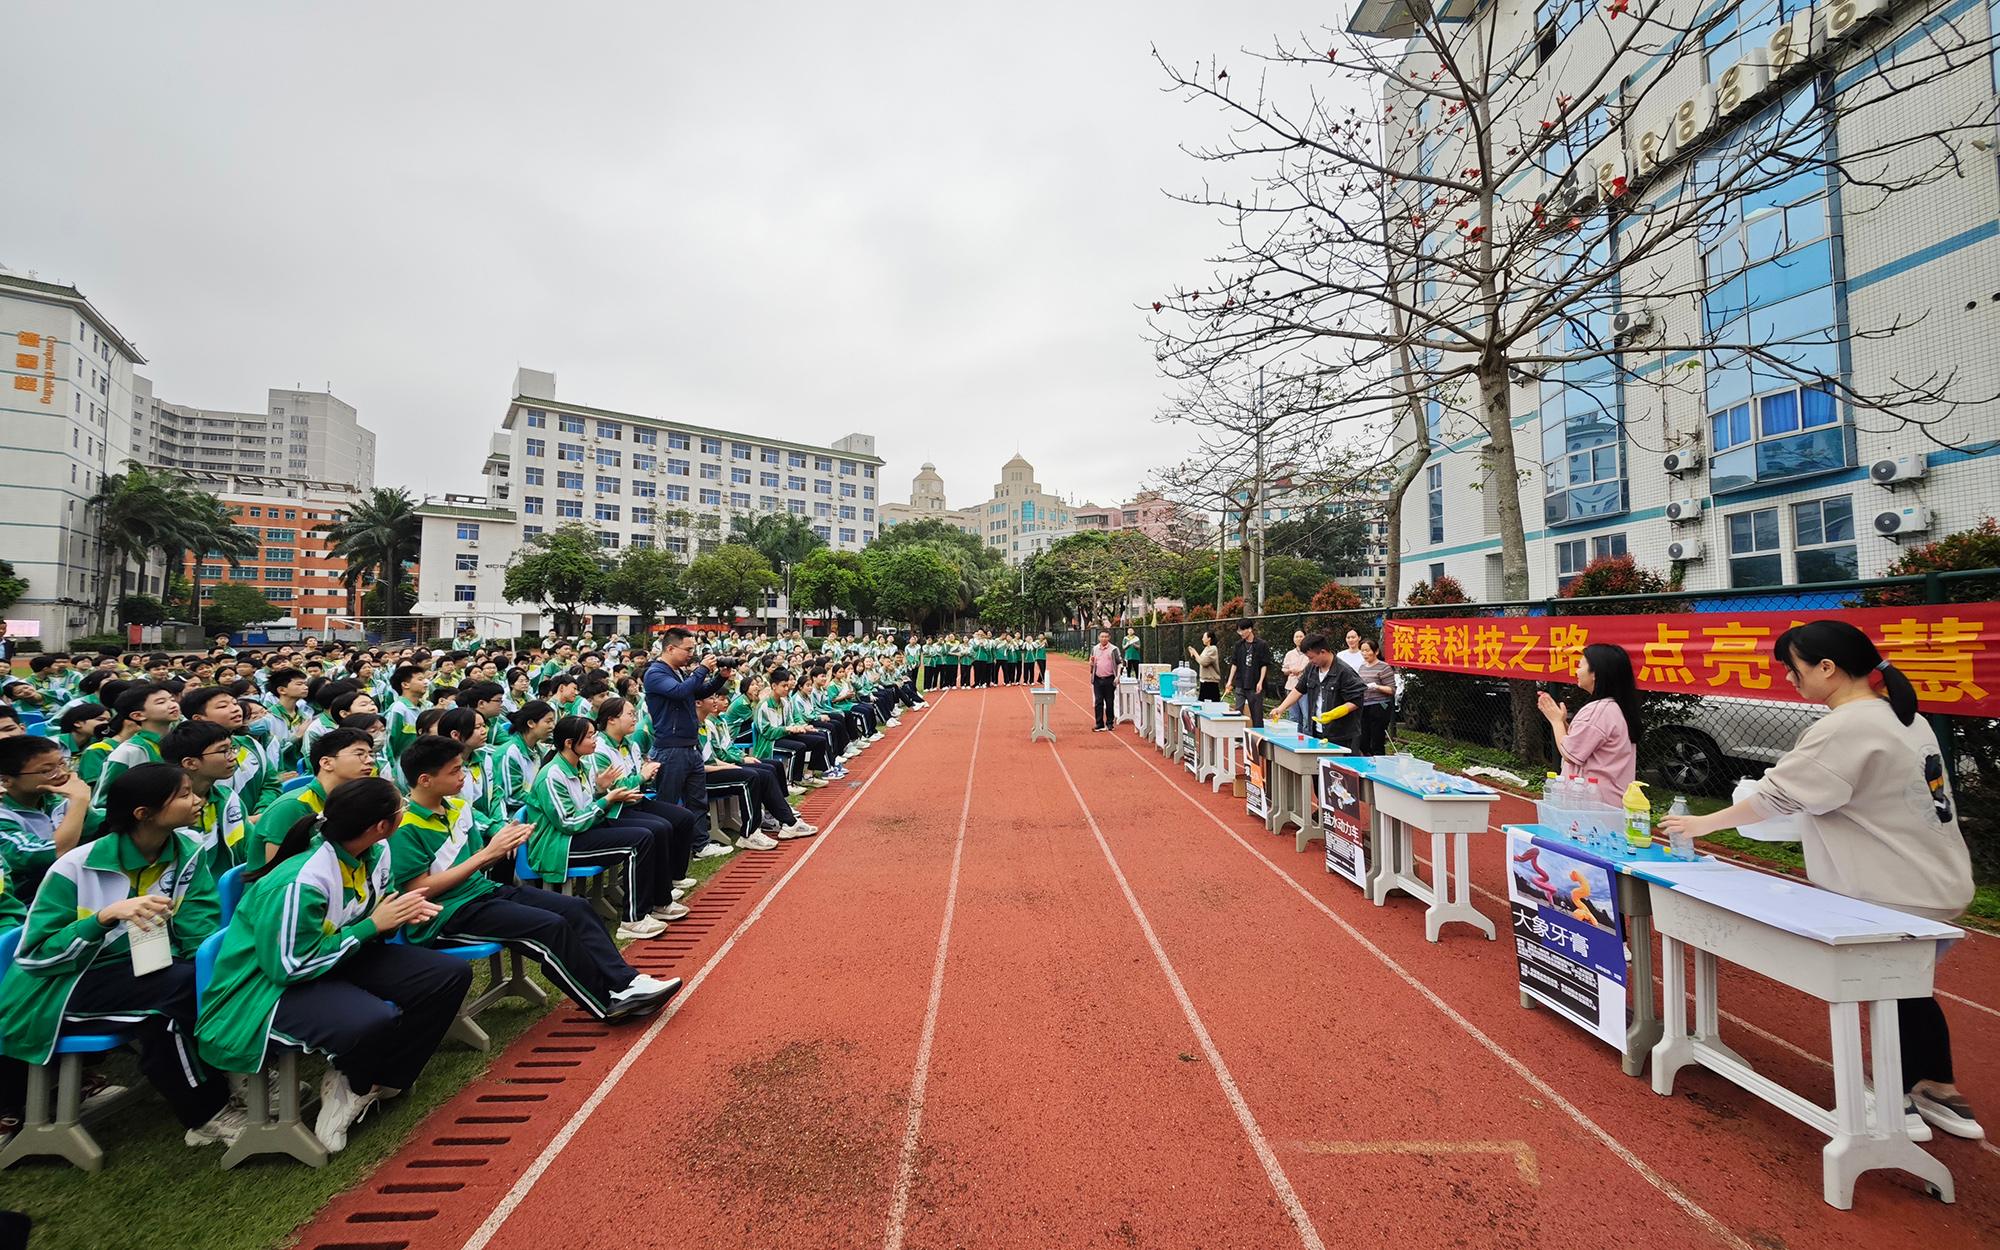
[229, 890]
[38, 729]
[271, 1129]
[299, 782]
[61, 1134]
[591, 873]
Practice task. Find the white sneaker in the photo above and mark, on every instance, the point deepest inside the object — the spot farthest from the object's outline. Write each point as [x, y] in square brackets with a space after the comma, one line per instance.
[224, 1126]
[756, 842]
[672, 911]
[339, 1108]
[641, 929]
[714, 850]
[649, 985]
[678, 894]
[813, 783]
[798, 829]
[895, 721]
[684, 884]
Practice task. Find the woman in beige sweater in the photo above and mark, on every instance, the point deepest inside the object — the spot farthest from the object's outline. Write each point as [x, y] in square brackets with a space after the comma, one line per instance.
[1868, 785]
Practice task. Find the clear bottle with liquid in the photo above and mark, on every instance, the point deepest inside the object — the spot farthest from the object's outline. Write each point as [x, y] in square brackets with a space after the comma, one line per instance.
[1680, 844]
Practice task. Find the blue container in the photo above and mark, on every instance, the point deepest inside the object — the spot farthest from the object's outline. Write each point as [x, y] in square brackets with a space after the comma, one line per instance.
[1167, 682]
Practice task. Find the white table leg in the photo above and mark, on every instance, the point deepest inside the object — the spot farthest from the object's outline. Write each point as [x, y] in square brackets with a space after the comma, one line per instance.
[1675, 1050]
[1708, 1006]
[1863, 1141]
[1451, 888]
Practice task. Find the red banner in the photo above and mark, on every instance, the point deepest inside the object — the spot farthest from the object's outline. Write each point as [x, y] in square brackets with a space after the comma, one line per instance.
[1950, 652]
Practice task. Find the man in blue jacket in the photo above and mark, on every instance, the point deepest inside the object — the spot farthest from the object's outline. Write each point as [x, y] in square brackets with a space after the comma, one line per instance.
[674, 684]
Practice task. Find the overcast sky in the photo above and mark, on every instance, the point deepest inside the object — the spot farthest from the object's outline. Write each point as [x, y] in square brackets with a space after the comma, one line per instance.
[929, 222]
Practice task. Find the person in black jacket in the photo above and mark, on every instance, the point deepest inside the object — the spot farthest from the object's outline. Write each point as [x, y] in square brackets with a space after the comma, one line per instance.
[1327, 686]
[1249, 665]
[674, 685]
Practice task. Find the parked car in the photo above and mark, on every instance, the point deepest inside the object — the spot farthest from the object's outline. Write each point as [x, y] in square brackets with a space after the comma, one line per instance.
[1704, 748]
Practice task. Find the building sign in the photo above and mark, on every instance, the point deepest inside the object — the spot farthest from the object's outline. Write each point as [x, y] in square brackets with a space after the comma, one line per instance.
[35, 355]
[1950, 652]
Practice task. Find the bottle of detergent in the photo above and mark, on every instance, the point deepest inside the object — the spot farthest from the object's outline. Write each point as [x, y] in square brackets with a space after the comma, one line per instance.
[1638, 818]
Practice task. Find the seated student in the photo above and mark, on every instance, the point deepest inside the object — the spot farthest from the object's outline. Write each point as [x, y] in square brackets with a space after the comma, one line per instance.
[520, 757]
[410, 684]
[10, 723]
[307, 960]
[23, 696]
[45, 810]
[207, 754]
[80, 728]
[74, 960]
[561, 693]
[254, 778]
[376, 726]
[778, 729]
[287, 706]
[143, 715]
[338, 757]
[481, 791]
[768, 812]
[580, 818]
[443, 848]
[518, 692]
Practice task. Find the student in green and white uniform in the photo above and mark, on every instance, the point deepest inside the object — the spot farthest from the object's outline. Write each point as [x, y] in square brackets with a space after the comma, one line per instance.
[74, 958]
[145, 712]
[339, 756]
[410, 685]
[440, 850]
[45, 810]
[618, 745]
[307, 961]
[254, 777]
[221, 825]
[521, 757]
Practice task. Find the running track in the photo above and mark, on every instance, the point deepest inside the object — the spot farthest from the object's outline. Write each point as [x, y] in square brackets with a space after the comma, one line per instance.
[1027, 996]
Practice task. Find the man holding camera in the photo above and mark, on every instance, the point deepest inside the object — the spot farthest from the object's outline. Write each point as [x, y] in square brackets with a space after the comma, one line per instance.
[675, 685]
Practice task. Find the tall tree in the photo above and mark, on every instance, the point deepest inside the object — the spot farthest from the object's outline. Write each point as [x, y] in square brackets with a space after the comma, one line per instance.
[208, 532]
[563, 570]
[236, 605]
[731, 576]
[915, 582]
[826, 580]
[376, 538]
[781, 538]
[645, 579]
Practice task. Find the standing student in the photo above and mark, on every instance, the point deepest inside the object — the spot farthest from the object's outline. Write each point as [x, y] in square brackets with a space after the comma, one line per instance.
[1379, 703]
[1351, 654]
[74, 960]
[1131, 653]
[1600, 741]
[1104, 683]
[307, 960]
[1292, 666]
[1208, 668]
[1249, 665]
[442, 851]
[45, 811]
[576, 814]
[338, 757]
[1875, 803]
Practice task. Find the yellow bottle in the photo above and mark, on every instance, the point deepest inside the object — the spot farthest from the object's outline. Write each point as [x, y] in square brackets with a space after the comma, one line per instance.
[1638, 817]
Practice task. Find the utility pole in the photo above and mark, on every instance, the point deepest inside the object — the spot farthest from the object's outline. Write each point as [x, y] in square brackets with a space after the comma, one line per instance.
[1221, 539]
[1258, 609]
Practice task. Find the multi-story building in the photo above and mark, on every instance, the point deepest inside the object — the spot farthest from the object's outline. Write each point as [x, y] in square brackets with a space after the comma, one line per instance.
[1149, 512]
[1287, 499]
[66, 413]
[1019, 519]
[294, 566]
[1734, 468]
[637, 481]
[309, 435]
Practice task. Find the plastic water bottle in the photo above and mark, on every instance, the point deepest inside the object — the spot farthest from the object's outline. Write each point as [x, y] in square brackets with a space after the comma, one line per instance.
[1681, 844]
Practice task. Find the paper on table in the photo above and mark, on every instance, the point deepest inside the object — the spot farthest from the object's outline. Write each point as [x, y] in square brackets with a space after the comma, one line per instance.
[152, 948]
[1793, 906]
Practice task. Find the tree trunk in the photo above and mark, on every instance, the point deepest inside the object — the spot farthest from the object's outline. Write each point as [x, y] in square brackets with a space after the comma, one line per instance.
[1497, 403]
[1392, 579]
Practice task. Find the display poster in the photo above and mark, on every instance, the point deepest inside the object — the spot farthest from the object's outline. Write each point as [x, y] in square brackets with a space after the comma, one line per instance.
[1344, 821]
[1190, 739]
[1149, 675]
[1567, 938]
[1160, 713]
[1259, 765]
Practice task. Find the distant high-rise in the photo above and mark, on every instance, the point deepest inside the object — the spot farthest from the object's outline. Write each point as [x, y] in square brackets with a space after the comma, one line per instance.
[308, 435]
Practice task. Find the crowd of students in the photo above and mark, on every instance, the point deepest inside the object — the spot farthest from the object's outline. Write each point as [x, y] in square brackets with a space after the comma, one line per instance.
[983, 659]
[339, 815]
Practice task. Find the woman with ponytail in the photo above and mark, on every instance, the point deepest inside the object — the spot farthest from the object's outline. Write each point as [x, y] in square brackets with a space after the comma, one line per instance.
[1868, 785]
[74, 961]
[308, 961]
[520, 757]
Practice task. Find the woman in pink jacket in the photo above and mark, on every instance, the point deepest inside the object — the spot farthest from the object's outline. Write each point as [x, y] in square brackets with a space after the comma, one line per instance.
[1601, 740]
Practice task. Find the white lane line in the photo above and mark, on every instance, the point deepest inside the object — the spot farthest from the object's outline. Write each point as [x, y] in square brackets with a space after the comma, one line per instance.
[512, 1199]
[1273, 1170]
[906, 1169]
[1673, 1193]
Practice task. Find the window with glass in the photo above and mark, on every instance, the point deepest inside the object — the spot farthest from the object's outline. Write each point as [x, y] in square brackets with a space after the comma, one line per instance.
[608, 458]
[465, 562]
[711, 446]
[1823, 540]
[606, 512]
[610, 485]
[868, 514]
[1434, 499]
[823, 509]
[1768, 265]
[678, 468]
[1578, 554]
[739, 499]
[569, 425]
[847, 535]
[847, 490]
[531, 505]
[825, 532]
[568, 481]
[710, 496]
[569, 509]
[531, 476]
[611, 430]
[536, 447]
[468, 530]
[822, 486]
[677, 545]
[646, 438]
[739, 451]
[795, 483]
[768, 479]
[797, 507]
[823, 464]
[277, 575]
[537, 420]
[676, 493]
[1754, 549]
[795, 460]
[868, 470]
[643, 463]
[711, 472]
[868, 492]
[606, 539]
[529, 531]
[739, 477]
[643, 488]
[641, 540]
[641, 516]
[1554, 19]
[570, 451]
[248, 573]
[1582, 408]
[677, 441]
[1747, 27]
[768, 455]
[847, 512]
[767, 503]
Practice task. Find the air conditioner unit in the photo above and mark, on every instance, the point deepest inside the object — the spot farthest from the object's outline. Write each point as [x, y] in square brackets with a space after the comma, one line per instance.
[1897, 522]
[1908, 468]
[1683, 509]
[472, 546]
[1687, 549]
[1686, 461]
[1632, 324]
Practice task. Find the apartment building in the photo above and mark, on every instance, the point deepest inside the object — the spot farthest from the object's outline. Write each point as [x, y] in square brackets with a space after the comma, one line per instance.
[294, 566]
[1017, 520]
[308, 435]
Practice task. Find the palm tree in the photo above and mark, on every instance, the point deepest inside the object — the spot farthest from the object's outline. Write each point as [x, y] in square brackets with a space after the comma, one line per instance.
[207, 530]
[134, 511]
[375, 538]
[781, 538]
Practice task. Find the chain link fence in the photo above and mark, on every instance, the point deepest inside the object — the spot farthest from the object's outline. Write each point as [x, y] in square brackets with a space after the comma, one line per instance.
[1694, 745]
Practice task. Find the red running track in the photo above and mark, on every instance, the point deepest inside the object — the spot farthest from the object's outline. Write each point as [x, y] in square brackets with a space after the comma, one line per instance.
[1019, 995]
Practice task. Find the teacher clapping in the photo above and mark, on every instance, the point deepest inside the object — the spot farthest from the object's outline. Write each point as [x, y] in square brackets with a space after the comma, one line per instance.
[1878, 819]
[1601, 740]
